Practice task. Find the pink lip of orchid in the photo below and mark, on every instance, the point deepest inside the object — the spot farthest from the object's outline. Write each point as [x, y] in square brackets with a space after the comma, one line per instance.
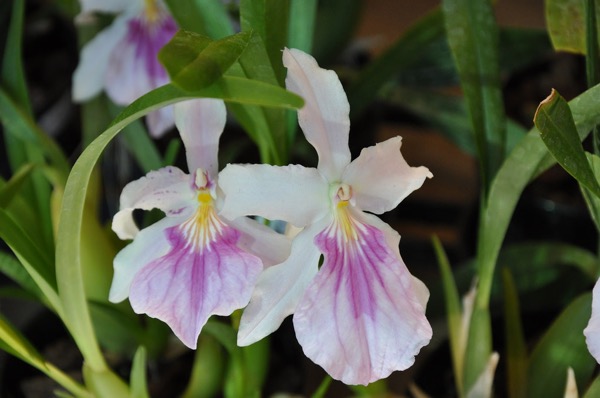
[362, 314]
[122, 59]
[193, 263]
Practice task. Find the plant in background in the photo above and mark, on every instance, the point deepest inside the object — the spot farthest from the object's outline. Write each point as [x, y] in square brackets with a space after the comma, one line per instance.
[359, 314]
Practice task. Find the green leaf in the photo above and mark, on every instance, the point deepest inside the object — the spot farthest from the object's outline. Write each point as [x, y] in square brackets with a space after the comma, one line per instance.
[302, 24]
[139, 387]
[594, 389]
[406, 51]
[13, 342]
[207, 373]
[592, 201]
[9, 190]
[335, 26]
[516, 351]
[554, 121]
[13, 74]
[194, 61]
[562, 346]
[566, 23]
[104, 383]
[10, 267]
[529, 158]
[473, 37]
[269, 19]
[323, 387]
[202, 16]
[453, 313]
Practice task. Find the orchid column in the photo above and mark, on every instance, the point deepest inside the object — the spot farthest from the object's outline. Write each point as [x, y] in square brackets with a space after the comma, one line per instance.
[362, 314]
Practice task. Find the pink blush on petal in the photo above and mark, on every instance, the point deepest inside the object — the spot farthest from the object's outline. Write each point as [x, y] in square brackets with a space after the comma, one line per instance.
[194, 281]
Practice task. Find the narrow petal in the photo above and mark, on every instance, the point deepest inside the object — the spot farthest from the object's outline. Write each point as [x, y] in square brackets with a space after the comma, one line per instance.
[360, 318]
[160, 121]
[168, 189]
[325, 117]
[292, 193]
[134, 69]
[200, 123]
[88, 78]
[272, 248]
[280, 287]
[204, 273]
[380, 177]
[150, 244]
[592, 331]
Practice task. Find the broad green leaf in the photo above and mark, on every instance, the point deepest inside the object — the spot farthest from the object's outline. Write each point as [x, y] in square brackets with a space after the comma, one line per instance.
[566, 22]
[207, 373]
[302, 24]
[453, 313]
[68, 251]
[591, 40]
[473, 37]
[529, 158]
[194, 61]
[479, 346]
[10, 189]
[554, 121]
[268, 19]
[104, 383]
[118, 329]
[516, 351]
[334, 27]
[562, 346]
[139, 386]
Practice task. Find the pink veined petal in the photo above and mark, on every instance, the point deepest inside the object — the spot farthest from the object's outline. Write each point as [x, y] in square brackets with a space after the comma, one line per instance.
[291, 193]
[168, 189]
[134, 68]
[592, 331]
[200, 123]
[380, 177]
[151, 243]
[195, 279]
[271, 247]
[324, 119]
[88, 78]
[280, 287]
[360, 318]
[160, 121]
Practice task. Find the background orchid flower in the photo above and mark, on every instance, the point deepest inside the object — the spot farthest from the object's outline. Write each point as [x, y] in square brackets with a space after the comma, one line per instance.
[362, 314]
[122, 59]
[193, 263]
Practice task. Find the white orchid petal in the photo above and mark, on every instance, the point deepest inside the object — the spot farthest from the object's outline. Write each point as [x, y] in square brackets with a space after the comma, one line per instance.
[134, 68]
[168, 189]
[150, 243]
[160, 121]
[292, 193]
[280, 287]
[204, 273]
[200, 123]
[360, 318]
[324, 119]
[380, 177]
[260, 240]
[592, 330]
[88, 78]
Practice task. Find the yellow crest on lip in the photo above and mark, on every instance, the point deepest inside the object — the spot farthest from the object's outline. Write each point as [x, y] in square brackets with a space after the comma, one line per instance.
[152, 10]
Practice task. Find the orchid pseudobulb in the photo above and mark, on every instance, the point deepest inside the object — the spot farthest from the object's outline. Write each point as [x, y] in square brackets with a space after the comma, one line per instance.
[193, 263]
[122, 59]
[362, 314]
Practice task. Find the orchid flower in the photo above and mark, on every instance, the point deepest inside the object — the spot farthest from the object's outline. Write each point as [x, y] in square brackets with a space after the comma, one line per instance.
[193, 263]
[592, 331]
[122, 59]
[361, 315]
